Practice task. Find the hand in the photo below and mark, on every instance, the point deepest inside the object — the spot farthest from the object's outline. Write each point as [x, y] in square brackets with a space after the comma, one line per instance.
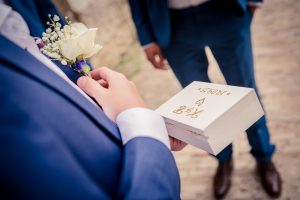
[176, 145]
[111, 90]
[156, 57]
[252, 9]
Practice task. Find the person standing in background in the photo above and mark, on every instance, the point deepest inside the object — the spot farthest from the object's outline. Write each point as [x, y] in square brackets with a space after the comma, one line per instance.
[178, 31]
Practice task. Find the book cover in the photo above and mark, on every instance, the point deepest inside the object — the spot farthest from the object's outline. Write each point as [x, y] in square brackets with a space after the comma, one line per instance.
[209, 116]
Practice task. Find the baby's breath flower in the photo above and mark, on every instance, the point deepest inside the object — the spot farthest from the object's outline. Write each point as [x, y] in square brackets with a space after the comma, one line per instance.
[56, 18]
[58, 24]
[55, 55]
[48, 30]
[51, 55]
[60, 34]
[63, 62]
[52, 45]
[46, 53]
[66, 27]
[54, 34]
[55, 47]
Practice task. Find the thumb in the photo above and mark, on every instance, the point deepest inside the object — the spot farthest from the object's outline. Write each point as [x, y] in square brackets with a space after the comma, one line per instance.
[91, 87]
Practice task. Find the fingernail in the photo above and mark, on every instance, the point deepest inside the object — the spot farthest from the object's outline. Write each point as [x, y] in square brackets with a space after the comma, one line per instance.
[81, 81]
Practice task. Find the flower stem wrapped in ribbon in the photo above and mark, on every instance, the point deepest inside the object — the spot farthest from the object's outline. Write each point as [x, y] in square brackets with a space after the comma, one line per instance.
[71, 44]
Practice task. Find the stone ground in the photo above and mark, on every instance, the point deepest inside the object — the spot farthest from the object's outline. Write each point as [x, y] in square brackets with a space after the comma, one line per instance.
[276, 38]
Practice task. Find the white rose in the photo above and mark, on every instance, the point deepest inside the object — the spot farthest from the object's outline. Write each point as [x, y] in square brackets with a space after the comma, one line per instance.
[45, 34]
[81, 42]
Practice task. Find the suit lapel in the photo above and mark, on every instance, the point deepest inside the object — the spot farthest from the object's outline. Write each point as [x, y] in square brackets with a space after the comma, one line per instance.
[242, 6]
[35, 13]
[29, 65]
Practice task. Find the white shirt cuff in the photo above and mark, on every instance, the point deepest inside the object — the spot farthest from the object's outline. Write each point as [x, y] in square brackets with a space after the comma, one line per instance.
[142, 122]
[255, 4]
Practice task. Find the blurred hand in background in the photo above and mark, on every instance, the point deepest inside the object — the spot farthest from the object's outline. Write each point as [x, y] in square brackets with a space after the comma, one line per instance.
[155, 56]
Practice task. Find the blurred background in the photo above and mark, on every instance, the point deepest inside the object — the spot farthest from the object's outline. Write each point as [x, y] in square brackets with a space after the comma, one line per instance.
[276, 40]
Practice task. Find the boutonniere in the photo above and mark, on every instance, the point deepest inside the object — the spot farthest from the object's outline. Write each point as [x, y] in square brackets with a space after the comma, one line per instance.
[70, 44]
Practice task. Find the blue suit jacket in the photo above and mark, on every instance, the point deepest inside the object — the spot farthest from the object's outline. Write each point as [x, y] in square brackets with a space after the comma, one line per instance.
[152, 19]
[54, 144]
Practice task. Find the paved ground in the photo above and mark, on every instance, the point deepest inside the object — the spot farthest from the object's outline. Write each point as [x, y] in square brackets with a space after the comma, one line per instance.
[276, 36]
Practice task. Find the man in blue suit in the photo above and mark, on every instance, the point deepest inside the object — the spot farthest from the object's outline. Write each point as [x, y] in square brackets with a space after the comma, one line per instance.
[178, 31]
[55, 142]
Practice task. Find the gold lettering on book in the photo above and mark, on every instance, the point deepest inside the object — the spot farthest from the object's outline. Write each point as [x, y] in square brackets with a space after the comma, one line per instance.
[195, 113]
[179, 110]
[212, 91]
[200, 102]
[192, 112]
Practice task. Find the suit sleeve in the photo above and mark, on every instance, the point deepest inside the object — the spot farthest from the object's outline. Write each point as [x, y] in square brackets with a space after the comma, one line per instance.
[140, 18]
[149, 171]
[35, 164]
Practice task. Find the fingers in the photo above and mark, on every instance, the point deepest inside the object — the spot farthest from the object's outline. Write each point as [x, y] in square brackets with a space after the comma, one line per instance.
[101, 73]
[112, 91]
[156, 60]
[108, 75]
[103, 83]
[161, 60]
[176, 145]
[156, 57]
[91, 87]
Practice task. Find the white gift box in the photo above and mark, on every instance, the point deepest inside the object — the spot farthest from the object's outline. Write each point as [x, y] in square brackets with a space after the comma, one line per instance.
[209, 116]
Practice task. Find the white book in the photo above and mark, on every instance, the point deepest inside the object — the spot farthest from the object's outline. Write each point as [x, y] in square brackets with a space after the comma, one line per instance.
[209, 116]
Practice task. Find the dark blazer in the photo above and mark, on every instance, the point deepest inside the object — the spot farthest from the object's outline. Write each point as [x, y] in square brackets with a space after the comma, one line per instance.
[152, 19]
[54, 144]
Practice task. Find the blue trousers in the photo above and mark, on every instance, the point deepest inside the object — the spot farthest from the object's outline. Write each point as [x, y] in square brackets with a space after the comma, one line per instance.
[229, 38]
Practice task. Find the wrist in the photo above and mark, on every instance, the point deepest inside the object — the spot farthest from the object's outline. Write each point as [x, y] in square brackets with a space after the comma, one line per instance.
[142, 122]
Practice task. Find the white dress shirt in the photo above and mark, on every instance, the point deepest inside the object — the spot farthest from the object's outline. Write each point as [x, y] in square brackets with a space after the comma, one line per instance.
[135, 122]
[181, 4]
